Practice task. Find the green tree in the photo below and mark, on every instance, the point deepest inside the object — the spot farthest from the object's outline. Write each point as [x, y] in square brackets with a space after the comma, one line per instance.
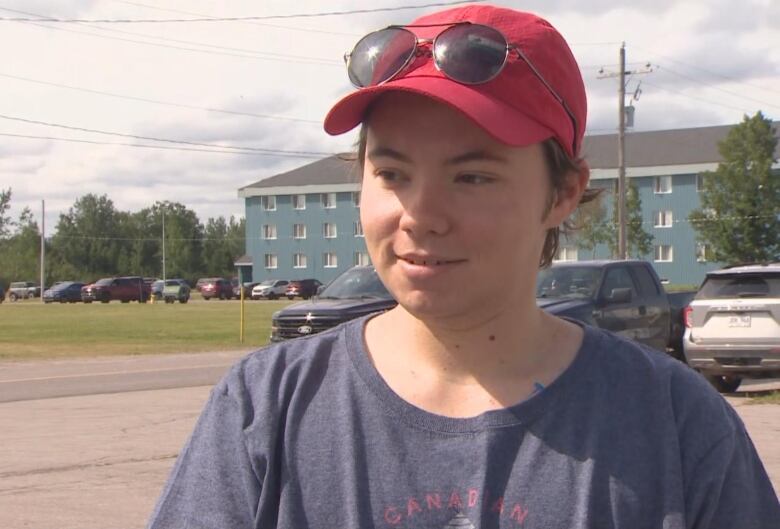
[593, 226]
[19, 253]
[5, 221]
[739, 217]
[91, 237]
[639, 242]
[224, 242]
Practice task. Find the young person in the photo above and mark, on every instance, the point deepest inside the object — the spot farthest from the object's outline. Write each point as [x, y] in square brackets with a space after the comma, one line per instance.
[466, 406]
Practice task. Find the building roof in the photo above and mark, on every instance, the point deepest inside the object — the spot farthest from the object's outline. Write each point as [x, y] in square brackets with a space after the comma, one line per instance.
[658, 148]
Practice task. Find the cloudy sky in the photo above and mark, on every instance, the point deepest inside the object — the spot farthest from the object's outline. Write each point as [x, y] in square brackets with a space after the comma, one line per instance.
[266, 85]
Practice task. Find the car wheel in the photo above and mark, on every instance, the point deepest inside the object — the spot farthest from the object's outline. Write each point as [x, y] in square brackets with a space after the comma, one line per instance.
[291, 298]
[724, 383]
[12, 297]
[184, 300]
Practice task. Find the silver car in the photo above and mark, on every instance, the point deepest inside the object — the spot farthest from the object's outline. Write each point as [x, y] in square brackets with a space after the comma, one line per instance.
[733, 326]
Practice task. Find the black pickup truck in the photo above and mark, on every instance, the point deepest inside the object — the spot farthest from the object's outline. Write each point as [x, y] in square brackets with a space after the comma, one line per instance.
[625, 297]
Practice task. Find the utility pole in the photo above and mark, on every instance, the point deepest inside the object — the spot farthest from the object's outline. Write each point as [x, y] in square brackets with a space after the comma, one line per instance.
[43, 247]
[621, 191]
[163, 239]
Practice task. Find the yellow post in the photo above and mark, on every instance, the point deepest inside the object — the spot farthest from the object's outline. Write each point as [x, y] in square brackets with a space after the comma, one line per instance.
[241, 298]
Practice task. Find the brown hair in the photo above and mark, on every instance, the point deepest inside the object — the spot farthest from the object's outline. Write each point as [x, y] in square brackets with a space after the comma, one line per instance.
[560, 166]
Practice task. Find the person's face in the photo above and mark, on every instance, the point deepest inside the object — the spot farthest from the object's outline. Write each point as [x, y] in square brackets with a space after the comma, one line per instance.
[454, 221]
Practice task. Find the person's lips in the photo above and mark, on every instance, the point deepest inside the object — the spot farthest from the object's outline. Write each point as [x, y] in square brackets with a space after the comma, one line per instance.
[427, 259]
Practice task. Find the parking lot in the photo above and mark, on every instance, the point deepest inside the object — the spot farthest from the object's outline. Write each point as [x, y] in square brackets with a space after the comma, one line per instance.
[99, 461]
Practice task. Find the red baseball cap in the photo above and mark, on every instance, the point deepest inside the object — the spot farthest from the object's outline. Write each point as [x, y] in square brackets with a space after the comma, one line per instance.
[516, 107]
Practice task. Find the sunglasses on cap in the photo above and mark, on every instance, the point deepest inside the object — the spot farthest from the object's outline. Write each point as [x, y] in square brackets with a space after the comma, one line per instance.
[465, 52]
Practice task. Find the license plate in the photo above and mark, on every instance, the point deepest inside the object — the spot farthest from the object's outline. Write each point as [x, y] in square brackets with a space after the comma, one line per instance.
[739, 321]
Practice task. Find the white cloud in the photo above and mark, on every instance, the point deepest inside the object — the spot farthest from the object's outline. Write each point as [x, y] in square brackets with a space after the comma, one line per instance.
[293, 68]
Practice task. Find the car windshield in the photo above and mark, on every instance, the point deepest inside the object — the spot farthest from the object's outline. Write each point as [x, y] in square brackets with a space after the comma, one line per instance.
[740, 286]
[356, 283]
[104, 282]
[172, 283]
[267, 283]
[567, 282]
[158, 284]
[62, 286]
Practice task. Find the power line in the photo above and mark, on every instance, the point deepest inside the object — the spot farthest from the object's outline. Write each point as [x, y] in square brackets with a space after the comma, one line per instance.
[236, 19]
[158, 102]
[267, 57]
[280, 154]
[165, 140]
[716, 74]
[713, 87]
[291, 28]
[697, 98]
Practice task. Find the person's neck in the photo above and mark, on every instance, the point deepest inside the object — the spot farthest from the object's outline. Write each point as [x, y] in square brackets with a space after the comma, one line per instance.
[508, 344]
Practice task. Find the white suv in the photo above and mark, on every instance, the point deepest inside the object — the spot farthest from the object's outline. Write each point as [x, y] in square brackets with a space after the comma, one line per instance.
[270, 288]
[733, 325]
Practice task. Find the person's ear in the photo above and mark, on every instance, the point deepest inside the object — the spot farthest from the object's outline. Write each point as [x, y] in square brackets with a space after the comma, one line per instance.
[567, 197]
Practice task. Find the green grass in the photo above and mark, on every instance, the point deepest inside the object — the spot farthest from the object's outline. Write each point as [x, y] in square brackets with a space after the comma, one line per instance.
[772, 397]
[32, 330]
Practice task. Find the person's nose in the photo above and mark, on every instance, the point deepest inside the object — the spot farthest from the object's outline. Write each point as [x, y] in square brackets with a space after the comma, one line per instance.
[426, 209]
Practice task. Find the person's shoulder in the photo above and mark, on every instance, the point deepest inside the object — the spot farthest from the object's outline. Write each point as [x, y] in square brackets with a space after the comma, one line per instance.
[640, 374]
[281, 366]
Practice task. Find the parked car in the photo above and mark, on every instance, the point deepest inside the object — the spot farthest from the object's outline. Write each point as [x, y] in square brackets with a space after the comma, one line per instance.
[216, 287]
[202, 281]
[355, 293]
[124, 289]
[270, 289]
[23, 290]
[176, 290]
[247, 286]
[156, 290]
[304, 288]
[733, 326]
[64, 292]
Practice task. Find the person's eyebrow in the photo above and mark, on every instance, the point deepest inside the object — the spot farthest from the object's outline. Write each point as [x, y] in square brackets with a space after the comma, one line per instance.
[387, 152]
[477, 156]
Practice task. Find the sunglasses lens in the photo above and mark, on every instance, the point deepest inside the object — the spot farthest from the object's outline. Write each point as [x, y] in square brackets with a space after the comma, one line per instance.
[380, 55]
[470, 53]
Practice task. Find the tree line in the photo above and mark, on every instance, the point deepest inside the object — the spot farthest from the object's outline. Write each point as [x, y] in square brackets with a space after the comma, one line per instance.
[94, 239]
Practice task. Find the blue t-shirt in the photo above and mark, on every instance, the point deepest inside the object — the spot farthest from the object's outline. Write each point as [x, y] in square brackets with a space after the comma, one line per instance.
[306, 434]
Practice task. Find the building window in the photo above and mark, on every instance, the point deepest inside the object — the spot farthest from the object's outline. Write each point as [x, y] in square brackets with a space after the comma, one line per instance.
[299, 260]
[663, 184]
[269, 231]
[664, 253]
[702, 253]
[361, 259]
[299, 201]
[329, 200]
[329, 230]
[356, 199]
[663, 219]
[299, 231]
[269, 203]
[330, 260]
[566, 253]
[699, 183]
[270, 260]
[358, 228]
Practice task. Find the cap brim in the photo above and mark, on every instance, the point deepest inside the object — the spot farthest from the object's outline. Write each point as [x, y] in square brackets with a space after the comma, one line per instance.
[504, 122]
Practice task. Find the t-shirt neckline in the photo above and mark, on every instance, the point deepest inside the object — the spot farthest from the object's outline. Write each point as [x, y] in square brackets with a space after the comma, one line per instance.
[522, 413]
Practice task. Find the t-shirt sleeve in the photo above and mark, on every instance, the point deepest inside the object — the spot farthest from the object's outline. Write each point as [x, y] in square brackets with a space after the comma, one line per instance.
[730, 488]
[214, 483]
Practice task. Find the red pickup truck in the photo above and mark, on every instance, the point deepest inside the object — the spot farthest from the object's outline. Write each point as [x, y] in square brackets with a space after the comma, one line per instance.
[124, 289]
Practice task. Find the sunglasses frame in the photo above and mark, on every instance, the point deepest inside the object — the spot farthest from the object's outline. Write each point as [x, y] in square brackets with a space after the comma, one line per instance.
[417, 51]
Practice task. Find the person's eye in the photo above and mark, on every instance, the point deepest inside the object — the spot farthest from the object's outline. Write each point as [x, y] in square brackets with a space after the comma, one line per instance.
[470, 178]
[388, 176]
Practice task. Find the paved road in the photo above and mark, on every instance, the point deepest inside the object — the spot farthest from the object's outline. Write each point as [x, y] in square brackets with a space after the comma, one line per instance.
[99, 461]
[90, 376]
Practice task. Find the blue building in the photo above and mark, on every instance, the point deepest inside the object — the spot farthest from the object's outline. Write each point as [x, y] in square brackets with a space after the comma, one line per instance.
[305, 222]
